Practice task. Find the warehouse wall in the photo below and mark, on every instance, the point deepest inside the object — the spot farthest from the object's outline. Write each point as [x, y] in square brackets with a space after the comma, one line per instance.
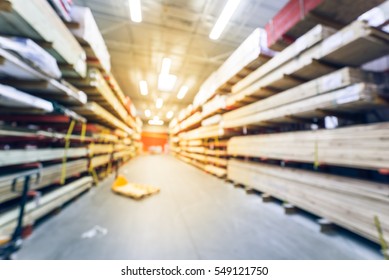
[154, 139]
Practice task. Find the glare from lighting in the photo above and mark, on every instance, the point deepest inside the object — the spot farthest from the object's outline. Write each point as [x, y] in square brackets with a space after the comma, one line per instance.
[223, 19]
[183, 90]
[166, 63]
[135, 10]
[156, 121]
[147, 113]
[169, 114]
[143, 87]
[159, 103]
[166, 82]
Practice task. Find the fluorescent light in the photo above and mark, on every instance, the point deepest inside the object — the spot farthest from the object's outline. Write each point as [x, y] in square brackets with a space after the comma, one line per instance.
[156, 121]
[166, 82]
[143, 88]
[147, 113]
[183, 90]
[223, 19]
[159, 103]
[135, 10]
[166, 63]
[169, 114]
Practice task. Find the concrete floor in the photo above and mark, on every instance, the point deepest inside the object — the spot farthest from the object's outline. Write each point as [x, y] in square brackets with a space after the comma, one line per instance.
[196, 216]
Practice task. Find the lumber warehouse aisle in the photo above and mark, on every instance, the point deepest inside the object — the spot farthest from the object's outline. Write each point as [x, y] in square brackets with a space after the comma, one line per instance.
[196, 216]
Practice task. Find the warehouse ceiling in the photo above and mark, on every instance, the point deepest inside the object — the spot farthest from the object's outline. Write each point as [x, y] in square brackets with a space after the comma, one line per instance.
[177, 29]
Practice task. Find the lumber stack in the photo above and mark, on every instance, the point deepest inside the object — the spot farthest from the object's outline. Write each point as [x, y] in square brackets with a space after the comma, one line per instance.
[351, 99]
[88, 35]
[30, 19]
[366, 42]
[16, 73]
[311, 106]
[38, 127]
[297, 17]
[47, 203]
[98, 90]
[50, 175]
[350, 203]
[363, 146]
[22, 156]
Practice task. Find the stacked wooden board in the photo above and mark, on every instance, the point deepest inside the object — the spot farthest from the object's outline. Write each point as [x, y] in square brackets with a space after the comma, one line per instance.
[351, 203]
[305, 122]
[362, 146]
[298, 16]
[201, 122]
[47, 203]
[38, 126]
[30, 19]
[367, 44]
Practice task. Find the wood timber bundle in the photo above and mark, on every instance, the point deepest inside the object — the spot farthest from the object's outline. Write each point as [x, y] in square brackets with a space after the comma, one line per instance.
[352, 99]
[98, 90]
[21, 156]
[203, 132]
[47, 204]
[336, 80]
[350, 203]
[94, 112]
[365, 42]
[307, 41]
[298, 16]
[218, 171]
[50, 175]
[31, 19]
[363, 146]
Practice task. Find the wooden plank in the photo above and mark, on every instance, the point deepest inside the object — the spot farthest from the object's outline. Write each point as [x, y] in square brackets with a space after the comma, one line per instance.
[94, 112]
[298, 16]
[364, 146]
[48, 203]
[338, 79]
[347, 202]
[98, 90]
[49, 175]
[31, 18]
[308, 40]
[218, 171]
[354, 98]
[18, 74]
[352, 46]
[13, 157]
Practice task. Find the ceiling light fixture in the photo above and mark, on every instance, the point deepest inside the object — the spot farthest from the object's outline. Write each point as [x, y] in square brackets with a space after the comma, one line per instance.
[166, 82]
[143, 87]
[223, 19]
[156, 121]
[159, 103]
[166, 63]
[169, 114]
[135, 10]
[147, 113]
[183, 90]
